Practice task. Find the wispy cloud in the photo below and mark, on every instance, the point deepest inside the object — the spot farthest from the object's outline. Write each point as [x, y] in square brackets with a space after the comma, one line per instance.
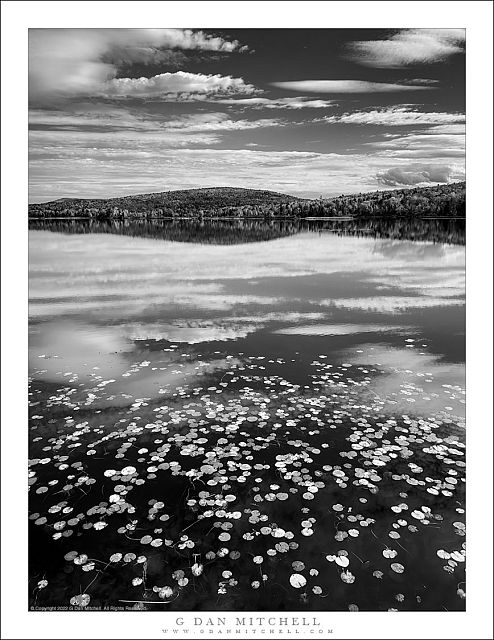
[299, 102]
[408, 47]
[396, 117]
[100, 118]
[340, 329]
[217, 122]
[393, 304]
[347, 86]
[68, 164]
[422, 144]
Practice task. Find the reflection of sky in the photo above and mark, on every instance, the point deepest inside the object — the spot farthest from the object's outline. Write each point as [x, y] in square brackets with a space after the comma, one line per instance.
[413, 380]
[96, 299]
[339, 329]
[108, 269]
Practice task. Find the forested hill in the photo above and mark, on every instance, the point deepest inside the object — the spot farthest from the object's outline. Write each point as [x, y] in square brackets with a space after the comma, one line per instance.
[438, 201]
[185, 202]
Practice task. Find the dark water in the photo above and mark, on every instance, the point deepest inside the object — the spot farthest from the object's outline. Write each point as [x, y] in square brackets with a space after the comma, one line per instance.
[277, 408]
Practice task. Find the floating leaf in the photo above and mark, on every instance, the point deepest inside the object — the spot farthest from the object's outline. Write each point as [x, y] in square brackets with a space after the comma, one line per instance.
[347, 577]
[80, 601]
[128, 471]
[397, 567]
[342, 561]
[297, 580]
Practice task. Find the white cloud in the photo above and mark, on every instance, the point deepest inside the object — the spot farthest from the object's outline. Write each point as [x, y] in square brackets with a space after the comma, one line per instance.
[72, 164]
[194, 331]
[450, 129]
[93, 148]
[173, 85]
[299, 102]
[409, 46]
[417, 174]
[339, 329]
[393, 304]
[121, 279]
[347, 86]
[396, 117]
[65, 62]
[94, 116]
[108, 118]
[218, 122]
[407, 369]
[422, 144]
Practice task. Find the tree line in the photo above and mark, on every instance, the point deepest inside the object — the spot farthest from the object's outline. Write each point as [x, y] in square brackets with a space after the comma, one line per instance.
[437, 201]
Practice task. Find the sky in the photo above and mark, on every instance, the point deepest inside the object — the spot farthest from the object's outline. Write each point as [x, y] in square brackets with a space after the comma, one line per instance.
[307, 112]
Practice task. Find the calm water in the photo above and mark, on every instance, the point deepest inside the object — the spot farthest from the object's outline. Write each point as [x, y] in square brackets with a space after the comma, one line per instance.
[271, 417]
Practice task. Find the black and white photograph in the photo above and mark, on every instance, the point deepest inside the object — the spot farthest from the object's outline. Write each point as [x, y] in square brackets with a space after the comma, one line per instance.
[246, 322]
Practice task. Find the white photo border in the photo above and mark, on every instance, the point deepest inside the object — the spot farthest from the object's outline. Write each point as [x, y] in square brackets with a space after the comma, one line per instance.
[18, 16]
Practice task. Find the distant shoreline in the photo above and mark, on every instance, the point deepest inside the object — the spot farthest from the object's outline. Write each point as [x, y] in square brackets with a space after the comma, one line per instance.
[239, 219]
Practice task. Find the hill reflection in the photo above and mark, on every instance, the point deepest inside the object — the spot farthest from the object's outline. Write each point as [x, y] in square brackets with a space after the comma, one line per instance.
[227, 232]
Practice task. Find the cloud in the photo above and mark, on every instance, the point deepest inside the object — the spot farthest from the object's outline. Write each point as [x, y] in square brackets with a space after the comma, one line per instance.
[112, 146]
[93, 117]
[396, 117]
[339, 329]
[424, 81]
[191, 332]
[125, 56]
[422, 144]
[66, 62]
[299, 102]
[408, 47]
[75, 164]
[120, 279]
[416, 174]
[217, 122]
[194, 331]
[393, 304]
[406, 370]
[449, 129]
[173, 85]
[347, 86]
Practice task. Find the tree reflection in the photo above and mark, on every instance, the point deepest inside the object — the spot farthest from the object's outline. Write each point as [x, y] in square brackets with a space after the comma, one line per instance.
[211, 231]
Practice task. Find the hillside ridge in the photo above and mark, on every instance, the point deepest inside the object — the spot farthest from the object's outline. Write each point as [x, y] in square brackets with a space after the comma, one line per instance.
[439, 200]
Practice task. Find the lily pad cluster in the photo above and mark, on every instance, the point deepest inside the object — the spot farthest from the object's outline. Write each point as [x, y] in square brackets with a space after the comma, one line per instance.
[247, 491]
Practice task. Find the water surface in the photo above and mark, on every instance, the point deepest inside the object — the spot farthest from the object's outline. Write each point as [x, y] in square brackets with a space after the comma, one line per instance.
[247, 402]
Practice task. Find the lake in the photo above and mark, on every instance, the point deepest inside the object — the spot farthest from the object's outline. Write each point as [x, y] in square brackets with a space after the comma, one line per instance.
[247, 415]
